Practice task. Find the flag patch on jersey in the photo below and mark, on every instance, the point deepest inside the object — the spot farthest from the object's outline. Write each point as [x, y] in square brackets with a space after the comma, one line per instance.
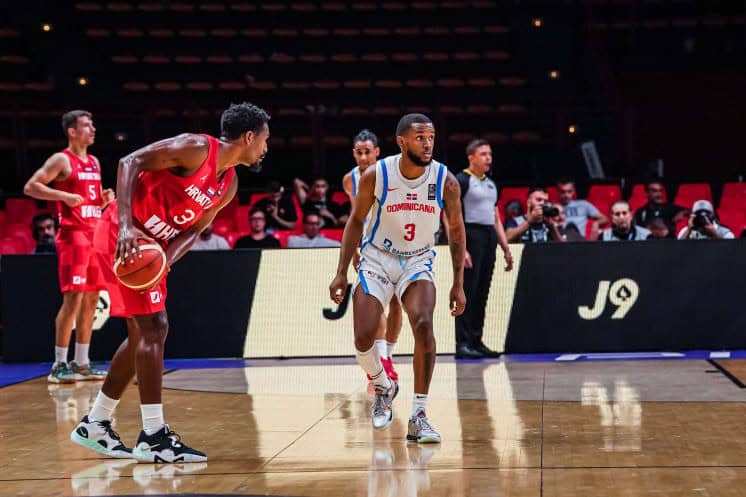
[411, 196]
[431, 191]
[211, 192]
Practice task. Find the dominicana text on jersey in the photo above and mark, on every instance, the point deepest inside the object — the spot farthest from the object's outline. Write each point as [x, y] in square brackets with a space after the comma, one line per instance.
[406, 215]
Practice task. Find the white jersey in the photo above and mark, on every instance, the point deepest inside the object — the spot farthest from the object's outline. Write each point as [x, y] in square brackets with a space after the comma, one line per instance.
[355, 175]
[406, 214]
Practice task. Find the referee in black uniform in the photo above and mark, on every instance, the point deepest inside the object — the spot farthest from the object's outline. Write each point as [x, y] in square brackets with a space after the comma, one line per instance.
[484, 232]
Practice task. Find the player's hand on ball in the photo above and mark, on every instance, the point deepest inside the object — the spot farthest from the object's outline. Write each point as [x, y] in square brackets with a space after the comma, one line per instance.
[127, 246]
[73, 200]
[457, 298]
[338, 288]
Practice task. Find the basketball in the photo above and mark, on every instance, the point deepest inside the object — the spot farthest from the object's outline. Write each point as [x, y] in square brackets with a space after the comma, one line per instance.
[141, 273]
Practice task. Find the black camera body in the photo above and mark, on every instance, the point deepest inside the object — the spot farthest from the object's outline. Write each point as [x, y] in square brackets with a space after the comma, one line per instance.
[549, 210]
[702, 218]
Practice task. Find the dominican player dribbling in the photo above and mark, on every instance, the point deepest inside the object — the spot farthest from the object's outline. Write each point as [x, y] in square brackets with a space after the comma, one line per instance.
[407, 193]
[168, 193]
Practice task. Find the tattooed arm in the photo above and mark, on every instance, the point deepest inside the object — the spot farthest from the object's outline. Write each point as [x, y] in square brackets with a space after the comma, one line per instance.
[456, 242]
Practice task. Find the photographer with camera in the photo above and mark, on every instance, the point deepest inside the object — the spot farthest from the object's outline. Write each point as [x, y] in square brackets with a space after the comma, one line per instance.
[622, 227]
[703, 224]
[537, 226]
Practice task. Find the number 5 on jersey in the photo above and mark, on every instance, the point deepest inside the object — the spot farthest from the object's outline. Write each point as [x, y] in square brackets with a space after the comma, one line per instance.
[409, 230]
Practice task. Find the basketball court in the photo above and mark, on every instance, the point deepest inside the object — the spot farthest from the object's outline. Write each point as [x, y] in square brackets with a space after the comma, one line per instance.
[520, 426]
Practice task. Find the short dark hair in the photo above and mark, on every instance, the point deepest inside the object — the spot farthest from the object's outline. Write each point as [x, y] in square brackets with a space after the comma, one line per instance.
[475, 144]
[38, 219]
[565, 180]
[275, 187]
[254, 210]
[366, 135]
[408, 120]
[653, 180]
[309, 214]
[536, 189]
[240, 118]
[70, 119]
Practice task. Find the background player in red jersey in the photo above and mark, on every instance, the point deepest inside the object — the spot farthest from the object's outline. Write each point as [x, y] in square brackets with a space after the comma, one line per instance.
[168, 192]
[365, 150]
[77, 186]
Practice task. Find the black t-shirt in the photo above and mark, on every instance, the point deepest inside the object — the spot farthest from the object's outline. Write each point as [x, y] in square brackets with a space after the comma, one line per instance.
[285, 210]
[247, 242]
[666, 212]
[315, 207]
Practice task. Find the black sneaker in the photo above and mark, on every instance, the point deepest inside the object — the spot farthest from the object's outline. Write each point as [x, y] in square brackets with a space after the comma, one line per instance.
[164, 446]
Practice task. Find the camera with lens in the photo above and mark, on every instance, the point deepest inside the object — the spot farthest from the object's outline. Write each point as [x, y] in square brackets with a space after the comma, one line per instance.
[701, 219]
[549, 210]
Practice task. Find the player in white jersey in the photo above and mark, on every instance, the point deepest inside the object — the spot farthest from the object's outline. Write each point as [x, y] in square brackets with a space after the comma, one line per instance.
[365, 151]
[407, 193]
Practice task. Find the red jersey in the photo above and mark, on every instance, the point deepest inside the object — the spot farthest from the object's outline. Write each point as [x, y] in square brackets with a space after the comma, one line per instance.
[165, 204]
[84, 180]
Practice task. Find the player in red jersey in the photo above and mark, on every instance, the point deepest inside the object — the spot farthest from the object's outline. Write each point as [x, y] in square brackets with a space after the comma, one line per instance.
[168, 192]
[76, 178]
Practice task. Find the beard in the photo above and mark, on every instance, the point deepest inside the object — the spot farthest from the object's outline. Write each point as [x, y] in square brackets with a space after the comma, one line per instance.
[416, 160]
[256, 166]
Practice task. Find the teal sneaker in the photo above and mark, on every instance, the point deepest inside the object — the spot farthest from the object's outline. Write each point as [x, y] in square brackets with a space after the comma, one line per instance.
[86, 372]
[61, 373]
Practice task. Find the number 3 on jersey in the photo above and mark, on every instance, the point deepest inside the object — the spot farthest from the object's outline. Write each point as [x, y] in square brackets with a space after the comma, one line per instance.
[409, 231]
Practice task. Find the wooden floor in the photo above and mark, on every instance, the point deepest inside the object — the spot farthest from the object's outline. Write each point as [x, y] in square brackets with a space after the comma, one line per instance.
[609, 428]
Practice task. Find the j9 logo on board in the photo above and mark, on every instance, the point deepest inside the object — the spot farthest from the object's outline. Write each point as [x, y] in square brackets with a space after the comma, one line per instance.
[622, 294]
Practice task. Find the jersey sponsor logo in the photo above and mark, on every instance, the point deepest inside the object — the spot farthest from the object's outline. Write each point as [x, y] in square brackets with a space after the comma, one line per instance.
[411, 196]
[431, 191]
[79, 280]
[89, 211]
[203, 199]
[410, 206]
[160, 229]
[391, 189]
[82, 176]
[155, 297]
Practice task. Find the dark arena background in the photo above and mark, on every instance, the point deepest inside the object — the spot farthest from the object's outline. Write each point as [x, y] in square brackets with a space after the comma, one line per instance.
[595, 369]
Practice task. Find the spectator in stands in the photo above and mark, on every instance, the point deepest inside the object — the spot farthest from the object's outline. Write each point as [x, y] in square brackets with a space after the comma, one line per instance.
[568, 231]
[311, 237]
[313, 200]
[208, 240]
[578, 211]
[257, 238]
[622, 227]
[512, 210]
[703, 224]
[44, 231]
[534, 227]
[278, 208]
[669, 212]
[658, 229]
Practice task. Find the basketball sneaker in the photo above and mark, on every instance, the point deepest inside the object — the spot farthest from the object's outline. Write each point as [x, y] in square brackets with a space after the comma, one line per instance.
[420, 430]
[383, 412]
[85, 372]
[61, 373]
[100, 437]
[165, 446]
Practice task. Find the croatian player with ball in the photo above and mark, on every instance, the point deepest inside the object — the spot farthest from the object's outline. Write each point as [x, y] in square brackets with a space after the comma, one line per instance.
[168, 192]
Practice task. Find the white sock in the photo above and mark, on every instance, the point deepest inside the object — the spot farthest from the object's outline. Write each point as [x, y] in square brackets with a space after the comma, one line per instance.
[381, 347]
[390, 349]
[60, 354]
[371, 364]
[152, 417]
[103, 407]
[418, 403]
[81, 353]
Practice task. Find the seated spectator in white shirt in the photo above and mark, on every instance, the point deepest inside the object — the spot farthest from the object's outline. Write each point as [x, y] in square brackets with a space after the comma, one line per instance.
[569, 232]
[703, 224]
[311, 237]
[210, 241]
[622, 225]
[578, 212]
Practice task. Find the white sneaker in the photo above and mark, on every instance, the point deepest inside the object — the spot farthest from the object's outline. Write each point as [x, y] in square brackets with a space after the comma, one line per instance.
[420, 430]
[100, 437]
[383, 412]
